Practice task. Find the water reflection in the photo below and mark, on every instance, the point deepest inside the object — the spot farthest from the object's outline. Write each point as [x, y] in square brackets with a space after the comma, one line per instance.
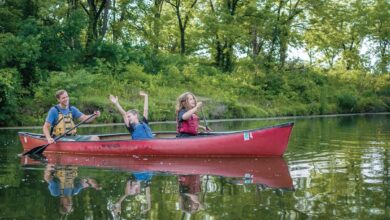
[64, 182]
[272, 172]
[137, 187]
[195, 182]
[190, 190]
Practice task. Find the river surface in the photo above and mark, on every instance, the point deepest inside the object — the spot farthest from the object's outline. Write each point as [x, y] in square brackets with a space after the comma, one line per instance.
[334, 168]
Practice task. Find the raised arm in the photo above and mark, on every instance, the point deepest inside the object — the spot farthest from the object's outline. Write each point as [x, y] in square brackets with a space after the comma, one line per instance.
[146, 104]
[188, 114]
[115, 101]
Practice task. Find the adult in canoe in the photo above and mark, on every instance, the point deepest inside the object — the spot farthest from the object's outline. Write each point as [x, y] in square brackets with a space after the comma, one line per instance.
[186, 118]
[138, 129]
[60, 119]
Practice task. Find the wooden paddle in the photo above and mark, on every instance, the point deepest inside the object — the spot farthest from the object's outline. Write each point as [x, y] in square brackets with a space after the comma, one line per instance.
[40, 149]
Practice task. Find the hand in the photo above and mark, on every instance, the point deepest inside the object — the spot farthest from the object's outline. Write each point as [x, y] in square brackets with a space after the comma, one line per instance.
[50, 140]
[208, 129]
[204, 129]
[97, 113]
[142, 93]
[199, 104]
[114, 99]
[50, 167]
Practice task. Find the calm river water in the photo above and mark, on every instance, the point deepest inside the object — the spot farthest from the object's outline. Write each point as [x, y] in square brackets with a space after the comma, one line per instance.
[334, 168]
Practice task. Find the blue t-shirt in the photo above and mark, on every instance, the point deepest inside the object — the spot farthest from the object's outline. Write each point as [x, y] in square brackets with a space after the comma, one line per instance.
[52, 116]
[143, 176]
[140, 131]
[55, 189]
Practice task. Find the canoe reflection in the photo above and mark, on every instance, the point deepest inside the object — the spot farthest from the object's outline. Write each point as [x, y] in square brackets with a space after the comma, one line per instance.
[195, 178]
[270, 172]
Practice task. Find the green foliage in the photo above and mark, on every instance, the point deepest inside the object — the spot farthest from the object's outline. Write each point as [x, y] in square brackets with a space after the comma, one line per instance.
[274, 83]
[372, 105]
[105, 52]
[18, 51]
[21, 53]
[236, 57]
[10, 91]
[237, 95]
[347, 102]
[133, 74]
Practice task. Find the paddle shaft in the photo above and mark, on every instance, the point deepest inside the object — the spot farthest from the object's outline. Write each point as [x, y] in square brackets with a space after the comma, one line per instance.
[40, 149]
[204, 119]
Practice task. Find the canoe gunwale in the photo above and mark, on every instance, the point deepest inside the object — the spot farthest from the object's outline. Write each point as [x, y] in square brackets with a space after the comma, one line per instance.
[202, 135]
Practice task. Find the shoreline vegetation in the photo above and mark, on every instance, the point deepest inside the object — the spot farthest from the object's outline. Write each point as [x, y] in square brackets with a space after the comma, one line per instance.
[214, 120]
[235, 56]
[242, 93]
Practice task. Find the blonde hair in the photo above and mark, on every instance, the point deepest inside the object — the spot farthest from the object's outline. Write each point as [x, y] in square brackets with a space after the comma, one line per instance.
[182, 101]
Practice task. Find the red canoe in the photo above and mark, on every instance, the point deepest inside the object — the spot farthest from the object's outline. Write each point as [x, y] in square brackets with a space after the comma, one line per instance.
[270, 171]
[269, 141]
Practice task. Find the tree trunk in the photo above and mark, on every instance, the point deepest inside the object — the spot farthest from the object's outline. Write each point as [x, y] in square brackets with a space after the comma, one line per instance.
[182, 24]
[384, 57]
[105, 18]
[224, 58]
[93, 17]
[158, 4]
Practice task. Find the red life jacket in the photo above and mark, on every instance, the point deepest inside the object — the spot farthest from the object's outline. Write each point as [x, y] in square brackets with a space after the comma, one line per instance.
[189, 126]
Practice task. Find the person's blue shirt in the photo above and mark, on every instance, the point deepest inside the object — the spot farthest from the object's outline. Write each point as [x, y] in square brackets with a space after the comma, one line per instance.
[52, 116]
[143, 176]
[55, 189]
[140, 131]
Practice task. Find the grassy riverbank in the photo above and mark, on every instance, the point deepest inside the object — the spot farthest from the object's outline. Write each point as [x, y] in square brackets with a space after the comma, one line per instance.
[246, 92]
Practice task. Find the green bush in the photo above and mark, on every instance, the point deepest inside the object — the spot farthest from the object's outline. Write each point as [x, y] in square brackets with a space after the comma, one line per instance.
[346, 102]
[133, 74]
[274, 84]
[172, 76]
[371, 104]
[10, 91]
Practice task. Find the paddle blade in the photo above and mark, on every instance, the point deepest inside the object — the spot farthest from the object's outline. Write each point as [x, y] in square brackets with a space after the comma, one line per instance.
[38, 157]
[36, 150]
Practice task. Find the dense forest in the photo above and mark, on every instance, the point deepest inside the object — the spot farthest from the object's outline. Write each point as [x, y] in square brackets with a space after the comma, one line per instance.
[242, 58]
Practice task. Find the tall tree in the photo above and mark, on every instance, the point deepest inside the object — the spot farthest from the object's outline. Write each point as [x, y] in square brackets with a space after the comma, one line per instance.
[379, 32]
[222, 22]
[156, 24]
[337, 30]
[183, 13]
[94, 10]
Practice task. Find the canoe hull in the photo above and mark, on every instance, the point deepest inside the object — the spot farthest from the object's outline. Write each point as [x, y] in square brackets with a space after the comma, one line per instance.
[270, 141]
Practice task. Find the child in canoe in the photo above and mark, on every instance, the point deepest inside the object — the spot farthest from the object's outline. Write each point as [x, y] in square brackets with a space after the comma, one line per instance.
[138, 129]
[186, 118]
